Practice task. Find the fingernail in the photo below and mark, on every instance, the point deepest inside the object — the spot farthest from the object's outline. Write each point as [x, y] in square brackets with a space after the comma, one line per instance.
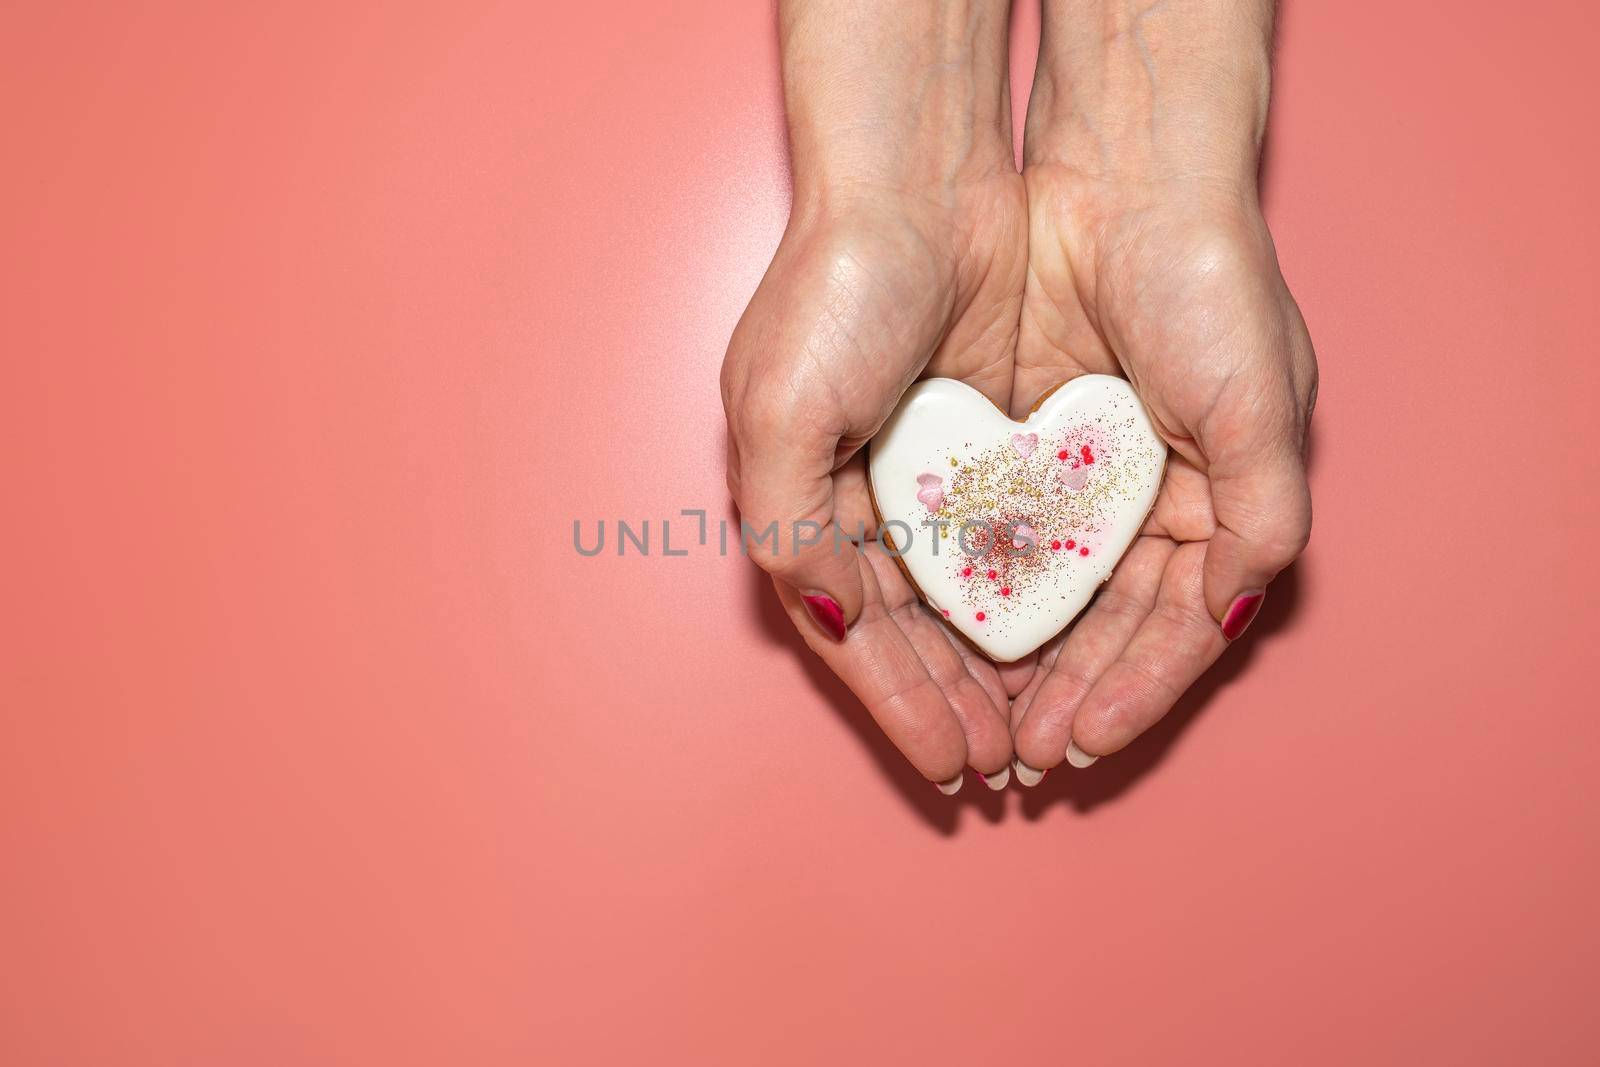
[1078, 757]
[826, 613]
[997, 781]
[1026, 775]
[950, 788]
[1241, 612]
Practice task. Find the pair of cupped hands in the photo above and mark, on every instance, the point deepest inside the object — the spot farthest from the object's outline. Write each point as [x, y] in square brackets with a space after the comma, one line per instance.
[1130, 243]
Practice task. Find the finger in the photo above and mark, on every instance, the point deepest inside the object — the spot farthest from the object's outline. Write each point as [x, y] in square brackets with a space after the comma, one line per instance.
[1173, 647]
[987, 673]
[1045, 659]
[1261, 504]
[1015, 676]
[1091, 648]
[782, 481]
[852, 500]
[879, 665]
[974, 704]
[988, 740]
[970, 681]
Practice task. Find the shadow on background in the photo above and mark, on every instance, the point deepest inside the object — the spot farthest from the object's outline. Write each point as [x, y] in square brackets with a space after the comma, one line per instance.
[938, 811]
[1084, 790]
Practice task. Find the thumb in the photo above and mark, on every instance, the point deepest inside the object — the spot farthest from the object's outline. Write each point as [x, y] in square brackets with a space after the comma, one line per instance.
[781, 476]
[1263, 512]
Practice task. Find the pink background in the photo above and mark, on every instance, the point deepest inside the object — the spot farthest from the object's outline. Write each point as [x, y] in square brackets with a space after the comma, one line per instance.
[319, 744]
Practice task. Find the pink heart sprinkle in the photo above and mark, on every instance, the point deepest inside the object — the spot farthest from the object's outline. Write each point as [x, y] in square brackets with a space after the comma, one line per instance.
[1023, 536]
[932, 491]
[1024, 443]
[1074, 478]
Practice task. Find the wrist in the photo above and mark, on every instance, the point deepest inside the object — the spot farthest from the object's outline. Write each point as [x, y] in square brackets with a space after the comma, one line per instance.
[1168, 96]
[909, 102]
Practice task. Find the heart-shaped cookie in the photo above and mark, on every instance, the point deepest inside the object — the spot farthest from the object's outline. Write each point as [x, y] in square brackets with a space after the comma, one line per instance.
[1007, 529]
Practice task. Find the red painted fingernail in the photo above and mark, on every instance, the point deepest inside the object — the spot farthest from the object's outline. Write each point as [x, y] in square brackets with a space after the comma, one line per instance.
[827, 613]
[1241, 612]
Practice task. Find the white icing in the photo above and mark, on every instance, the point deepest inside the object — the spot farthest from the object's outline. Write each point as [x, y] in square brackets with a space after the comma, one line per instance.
[949, 456]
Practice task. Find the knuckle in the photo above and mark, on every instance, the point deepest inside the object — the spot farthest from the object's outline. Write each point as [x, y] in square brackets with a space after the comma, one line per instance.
[1275, 528]
[778, 564]
[1281, 542]
[764, 411]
